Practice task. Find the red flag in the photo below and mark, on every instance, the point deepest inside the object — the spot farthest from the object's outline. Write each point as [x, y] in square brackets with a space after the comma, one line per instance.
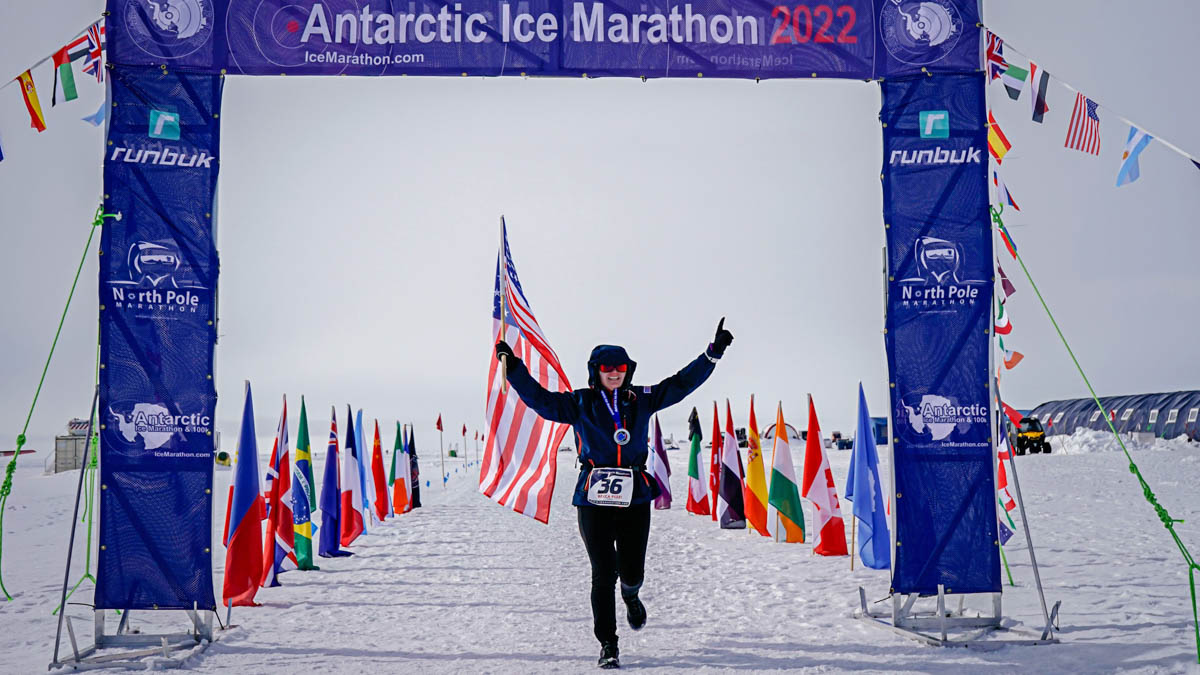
[377, 475]
[1012, 414]
[243, 541]
[279, 553]
[714, 468]
[439, 423]
[352, 514]
[819, 489]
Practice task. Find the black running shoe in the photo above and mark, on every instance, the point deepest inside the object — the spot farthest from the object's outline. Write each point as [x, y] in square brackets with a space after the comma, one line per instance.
[608, 656]
[635, 611]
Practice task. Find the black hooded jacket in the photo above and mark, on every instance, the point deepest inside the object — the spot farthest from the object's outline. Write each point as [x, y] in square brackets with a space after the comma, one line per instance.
[586, 411]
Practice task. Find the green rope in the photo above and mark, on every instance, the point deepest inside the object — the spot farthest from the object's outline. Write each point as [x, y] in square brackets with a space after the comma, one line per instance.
[1167, 521]
[6, 487]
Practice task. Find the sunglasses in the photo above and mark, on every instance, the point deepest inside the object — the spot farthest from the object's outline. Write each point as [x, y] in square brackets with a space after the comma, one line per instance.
[608, 369]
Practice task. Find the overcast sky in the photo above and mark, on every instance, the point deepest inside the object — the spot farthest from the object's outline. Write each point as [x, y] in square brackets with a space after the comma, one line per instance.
[359, 221]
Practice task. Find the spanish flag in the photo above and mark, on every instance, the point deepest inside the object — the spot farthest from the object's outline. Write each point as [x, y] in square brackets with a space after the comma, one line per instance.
[36, 119]
[998, 144]
[754, 489]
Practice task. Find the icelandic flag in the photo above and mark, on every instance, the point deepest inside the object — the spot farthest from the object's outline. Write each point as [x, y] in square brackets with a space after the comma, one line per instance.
[874, 541]
[243, 538]
[279, 545]
[364, 484]
[331, 498]
[351, 514]
[304, 496]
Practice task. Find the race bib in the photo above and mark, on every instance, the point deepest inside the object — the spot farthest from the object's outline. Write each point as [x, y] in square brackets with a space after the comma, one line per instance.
[610, 486]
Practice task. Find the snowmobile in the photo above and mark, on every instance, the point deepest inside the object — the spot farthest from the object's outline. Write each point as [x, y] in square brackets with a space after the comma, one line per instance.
[1031, 437]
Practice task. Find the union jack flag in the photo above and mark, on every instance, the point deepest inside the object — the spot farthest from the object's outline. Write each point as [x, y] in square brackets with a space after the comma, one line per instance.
[520, 460]
[93, 63]
[995, 56]
[1083, 133]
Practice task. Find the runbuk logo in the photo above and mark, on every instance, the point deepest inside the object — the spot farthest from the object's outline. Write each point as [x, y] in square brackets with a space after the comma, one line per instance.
[935, 156]
[168, 156]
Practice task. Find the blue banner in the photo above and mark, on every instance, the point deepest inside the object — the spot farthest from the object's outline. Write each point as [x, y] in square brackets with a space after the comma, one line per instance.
[858, 39]
[158, 282]
[939, 302]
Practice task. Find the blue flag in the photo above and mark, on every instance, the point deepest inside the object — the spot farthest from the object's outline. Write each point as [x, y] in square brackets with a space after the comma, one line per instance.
[1005, 533]
[97, 118]
[874, 541]
[329, 545]
[362, 468]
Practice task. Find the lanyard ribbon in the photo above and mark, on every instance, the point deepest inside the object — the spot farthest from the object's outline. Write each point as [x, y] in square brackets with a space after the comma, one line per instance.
[612, 409]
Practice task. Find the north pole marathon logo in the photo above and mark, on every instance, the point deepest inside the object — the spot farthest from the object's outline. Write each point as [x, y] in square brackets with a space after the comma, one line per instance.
[158, 280]
[935, 417]
[169, 29]
[152, 425]
[920, 32]
[936, 282]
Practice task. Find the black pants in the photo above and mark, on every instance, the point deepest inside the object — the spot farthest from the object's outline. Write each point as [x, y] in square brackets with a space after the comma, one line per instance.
[615, 539]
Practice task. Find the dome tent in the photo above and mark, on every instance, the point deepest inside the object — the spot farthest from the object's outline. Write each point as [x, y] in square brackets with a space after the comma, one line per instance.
[1166, 415]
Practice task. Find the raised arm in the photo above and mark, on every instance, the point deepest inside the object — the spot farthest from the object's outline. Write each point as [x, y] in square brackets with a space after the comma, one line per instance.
[676, 387]
[549, 405]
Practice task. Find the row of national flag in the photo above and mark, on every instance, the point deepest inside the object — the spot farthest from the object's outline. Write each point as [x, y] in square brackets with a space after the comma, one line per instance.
[766, 500]
[356, 493]
[87, 48]
[1083, 127]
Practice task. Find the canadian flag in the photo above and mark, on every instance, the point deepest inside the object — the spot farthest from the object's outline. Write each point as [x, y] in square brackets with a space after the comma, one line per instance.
[819, 489]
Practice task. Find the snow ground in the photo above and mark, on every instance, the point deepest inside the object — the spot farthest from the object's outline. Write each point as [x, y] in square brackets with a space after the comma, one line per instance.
[465, 586]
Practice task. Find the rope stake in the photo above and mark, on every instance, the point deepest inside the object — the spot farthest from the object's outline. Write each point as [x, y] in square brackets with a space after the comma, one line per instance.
[1161, 511]
[6, 487]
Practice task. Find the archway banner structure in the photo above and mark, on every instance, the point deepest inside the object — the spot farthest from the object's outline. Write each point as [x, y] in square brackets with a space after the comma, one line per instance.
[159, 264]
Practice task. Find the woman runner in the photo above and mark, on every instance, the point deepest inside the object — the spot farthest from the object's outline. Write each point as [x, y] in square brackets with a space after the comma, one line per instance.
[613, 494]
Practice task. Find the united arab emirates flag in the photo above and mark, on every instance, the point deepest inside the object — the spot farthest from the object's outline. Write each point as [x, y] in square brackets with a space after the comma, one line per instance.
[62, 73]
[1014, 81]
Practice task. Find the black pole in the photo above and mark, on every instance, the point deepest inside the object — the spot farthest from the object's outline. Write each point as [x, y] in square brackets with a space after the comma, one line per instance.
[74, 522]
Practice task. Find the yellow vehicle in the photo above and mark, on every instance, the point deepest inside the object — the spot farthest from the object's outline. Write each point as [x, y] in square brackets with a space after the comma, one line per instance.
[1031, 437]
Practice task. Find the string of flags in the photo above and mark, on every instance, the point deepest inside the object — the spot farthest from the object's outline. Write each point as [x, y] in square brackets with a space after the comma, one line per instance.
[1083, 127]
[88, 47]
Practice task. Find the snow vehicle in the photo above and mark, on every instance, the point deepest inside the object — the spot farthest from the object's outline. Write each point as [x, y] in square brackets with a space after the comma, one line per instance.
[1031, 437]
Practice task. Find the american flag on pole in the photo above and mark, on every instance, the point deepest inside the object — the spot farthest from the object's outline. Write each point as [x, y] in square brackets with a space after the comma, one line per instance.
[94, 63]
[1083, 134]
[521, 455]
[995, 56]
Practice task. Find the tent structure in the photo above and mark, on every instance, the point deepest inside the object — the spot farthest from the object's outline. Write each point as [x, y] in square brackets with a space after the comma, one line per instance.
[1166, 415]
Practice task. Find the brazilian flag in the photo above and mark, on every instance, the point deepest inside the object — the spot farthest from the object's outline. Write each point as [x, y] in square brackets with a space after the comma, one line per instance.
[304, 496]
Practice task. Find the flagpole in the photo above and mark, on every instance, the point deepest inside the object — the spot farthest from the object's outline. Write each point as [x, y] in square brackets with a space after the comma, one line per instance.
[503, 307]
[853, 529]
[442, 445]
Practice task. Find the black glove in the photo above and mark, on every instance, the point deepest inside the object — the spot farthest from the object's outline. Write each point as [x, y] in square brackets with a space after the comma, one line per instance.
[502, 349]
[722, 340]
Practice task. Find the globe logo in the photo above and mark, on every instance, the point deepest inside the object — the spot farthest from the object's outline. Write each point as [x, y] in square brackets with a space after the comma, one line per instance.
[168, 29]
[920, 32]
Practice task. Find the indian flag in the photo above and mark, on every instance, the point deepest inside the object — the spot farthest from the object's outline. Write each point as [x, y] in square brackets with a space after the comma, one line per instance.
[754, 490]
[785, 516]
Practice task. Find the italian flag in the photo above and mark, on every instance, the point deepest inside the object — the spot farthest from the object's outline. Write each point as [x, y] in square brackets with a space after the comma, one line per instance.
[1002, 327]
[819, 489]
[785, 516]
[399, 480]
[697, 501]
[754, 489]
